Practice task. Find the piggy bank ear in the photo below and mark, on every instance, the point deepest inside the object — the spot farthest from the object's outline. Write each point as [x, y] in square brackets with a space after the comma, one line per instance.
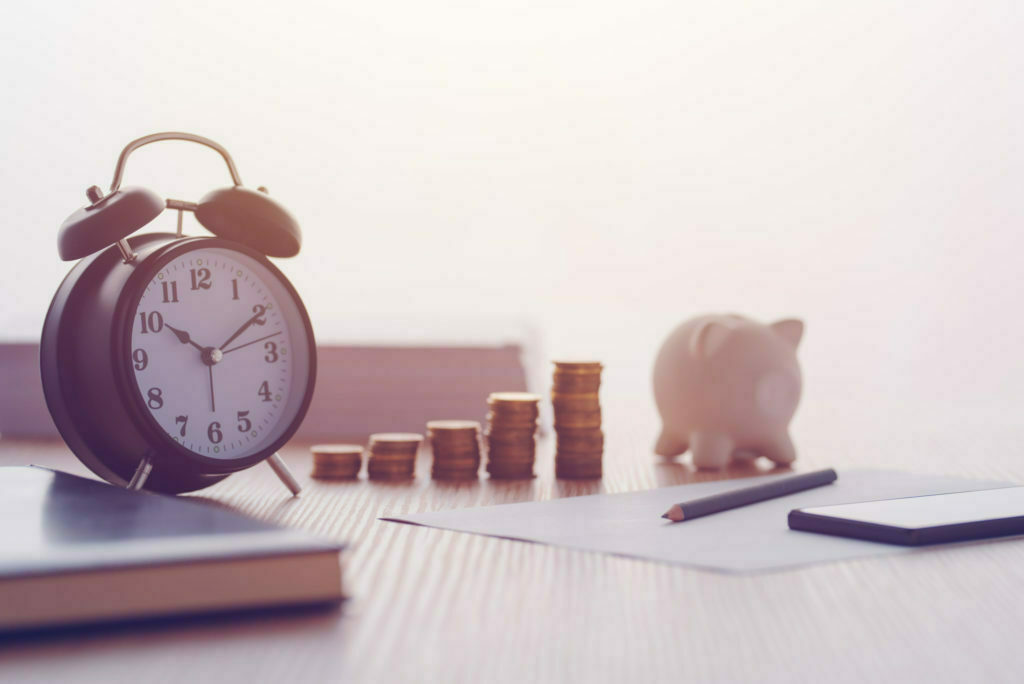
[790, 329]
[708, 338]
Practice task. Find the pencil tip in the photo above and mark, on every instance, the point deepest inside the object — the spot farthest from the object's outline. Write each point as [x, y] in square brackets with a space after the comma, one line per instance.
[675, 514]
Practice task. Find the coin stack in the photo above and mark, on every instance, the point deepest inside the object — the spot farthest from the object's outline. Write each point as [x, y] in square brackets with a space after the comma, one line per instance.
[512, 423]
[393, 455]
[336, 461]
[579, 441]
[456, 447]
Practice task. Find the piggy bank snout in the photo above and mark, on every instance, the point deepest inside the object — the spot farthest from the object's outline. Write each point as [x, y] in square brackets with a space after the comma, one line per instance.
[776, 394]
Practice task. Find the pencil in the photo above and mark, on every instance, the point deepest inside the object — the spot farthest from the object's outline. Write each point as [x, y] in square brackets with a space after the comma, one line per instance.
[734, 498]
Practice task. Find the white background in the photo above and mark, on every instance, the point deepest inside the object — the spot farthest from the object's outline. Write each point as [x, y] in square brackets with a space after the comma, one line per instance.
[602, 169]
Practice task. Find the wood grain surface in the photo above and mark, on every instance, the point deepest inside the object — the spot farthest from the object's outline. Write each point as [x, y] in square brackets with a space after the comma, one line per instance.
[432, 605]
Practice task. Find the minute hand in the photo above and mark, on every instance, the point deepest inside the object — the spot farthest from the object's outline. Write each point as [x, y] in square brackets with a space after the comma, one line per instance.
[259, 310]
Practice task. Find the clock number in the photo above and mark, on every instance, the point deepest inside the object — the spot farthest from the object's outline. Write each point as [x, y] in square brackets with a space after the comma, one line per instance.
[200, 279]
[271, 355]
[153, 322]
[259, 310]
[184, 424]
[214, 433]
[141, 359]
[244, 424]
[170, 292]
[264, 391]
[234, 288]
[156, 398]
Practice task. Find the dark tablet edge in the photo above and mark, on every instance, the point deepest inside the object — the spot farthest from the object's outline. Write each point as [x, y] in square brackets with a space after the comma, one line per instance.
[977, 529]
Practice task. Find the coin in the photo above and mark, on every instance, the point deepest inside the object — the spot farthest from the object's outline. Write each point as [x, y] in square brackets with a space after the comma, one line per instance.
[578, 366]
[514, 398]
[439, 426]
[500, 471]
[336, 461]
[589, 419]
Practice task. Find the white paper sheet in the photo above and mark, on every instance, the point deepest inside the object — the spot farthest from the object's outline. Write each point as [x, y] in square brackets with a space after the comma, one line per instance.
[748, 539]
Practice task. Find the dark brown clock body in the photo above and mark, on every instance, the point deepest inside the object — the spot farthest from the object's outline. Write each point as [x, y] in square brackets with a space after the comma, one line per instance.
[85, 359]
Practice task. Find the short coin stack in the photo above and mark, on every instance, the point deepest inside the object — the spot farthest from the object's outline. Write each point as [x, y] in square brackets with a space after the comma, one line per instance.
[456, 447]
[393, 455]
[511, 445]
[336, 461]
[578, 436]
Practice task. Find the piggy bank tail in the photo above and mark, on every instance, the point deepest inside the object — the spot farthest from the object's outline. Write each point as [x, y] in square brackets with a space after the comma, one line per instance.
[670, 446]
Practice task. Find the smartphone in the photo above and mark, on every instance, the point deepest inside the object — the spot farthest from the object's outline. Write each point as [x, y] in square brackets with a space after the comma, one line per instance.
[919, 520]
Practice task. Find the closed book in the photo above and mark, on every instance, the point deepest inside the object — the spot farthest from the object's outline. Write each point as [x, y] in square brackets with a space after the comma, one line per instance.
[74, 550]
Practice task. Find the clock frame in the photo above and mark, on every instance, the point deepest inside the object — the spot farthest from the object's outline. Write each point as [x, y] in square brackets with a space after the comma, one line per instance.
[91, 391]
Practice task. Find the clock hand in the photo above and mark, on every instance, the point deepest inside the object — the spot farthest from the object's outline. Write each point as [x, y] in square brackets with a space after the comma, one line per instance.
[259, 310]
[213, 402]
[258, 339]
[184, 337]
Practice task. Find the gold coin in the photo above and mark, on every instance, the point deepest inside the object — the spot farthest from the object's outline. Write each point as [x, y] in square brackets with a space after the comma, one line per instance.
[576, 383]
[335, 473]
[394, 447]
[393, 437]
[318, 449]
[392, 477]
[336, 467]
[337, 461]
[389, 467]
[578, 366]
[511, 447]
[456, 459]
[516, 416]
[456, 449]
[516, 474]
[455, 438]
[590, 419]
[513, 398]
[452, 425]
[511, 436]
[496, 455]
[578, 456]
[580, 436]
[566, 407]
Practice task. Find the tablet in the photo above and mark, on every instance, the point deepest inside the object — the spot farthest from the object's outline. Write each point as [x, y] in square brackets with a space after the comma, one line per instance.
[920, 520]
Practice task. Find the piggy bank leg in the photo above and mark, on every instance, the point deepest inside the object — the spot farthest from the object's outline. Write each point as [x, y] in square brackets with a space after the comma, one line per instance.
[669, 445]
[711, 450]
[780, 450]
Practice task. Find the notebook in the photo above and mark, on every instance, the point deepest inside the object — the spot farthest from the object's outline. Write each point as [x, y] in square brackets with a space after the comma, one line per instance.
[74, 550]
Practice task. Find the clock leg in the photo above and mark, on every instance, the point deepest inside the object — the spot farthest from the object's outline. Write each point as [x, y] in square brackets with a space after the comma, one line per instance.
[141, 474]
[281, 470]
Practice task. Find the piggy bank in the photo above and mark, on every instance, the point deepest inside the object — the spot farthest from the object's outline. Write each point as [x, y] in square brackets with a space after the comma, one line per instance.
[726, 388]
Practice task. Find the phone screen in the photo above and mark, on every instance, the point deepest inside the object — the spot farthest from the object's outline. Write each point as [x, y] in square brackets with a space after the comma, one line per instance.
[932, 511]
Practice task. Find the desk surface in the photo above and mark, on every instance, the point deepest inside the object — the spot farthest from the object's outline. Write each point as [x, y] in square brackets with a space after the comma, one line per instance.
[442, 606]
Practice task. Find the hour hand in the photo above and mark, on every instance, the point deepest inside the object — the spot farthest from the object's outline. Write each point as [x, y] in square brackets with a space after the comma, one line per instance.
[184, 337]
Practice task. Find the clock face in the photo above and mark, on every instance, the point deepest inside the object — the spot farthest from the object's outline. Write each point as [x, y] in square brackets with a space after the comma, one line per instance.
[220, 353]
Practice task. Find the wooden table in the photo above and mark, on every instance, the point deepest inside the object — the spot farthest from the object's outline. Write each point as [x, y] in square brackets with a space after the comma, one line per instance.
[441, 606]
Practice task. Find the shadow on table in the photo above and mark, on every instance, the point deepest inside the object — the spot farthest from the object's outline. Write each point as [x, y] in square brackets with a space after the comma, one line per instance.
[669, 472]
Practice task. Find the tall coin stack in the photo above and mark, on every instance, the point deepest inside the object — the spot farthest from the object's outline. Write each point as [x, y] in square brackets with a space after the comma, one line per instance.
[579, 441]
[456, 448]
[393, 455]
[512, 423]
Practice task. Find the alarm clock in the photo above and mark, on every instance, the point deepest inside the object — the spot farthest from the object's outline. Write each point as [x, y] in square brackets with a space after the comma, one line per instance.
[169, 362]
